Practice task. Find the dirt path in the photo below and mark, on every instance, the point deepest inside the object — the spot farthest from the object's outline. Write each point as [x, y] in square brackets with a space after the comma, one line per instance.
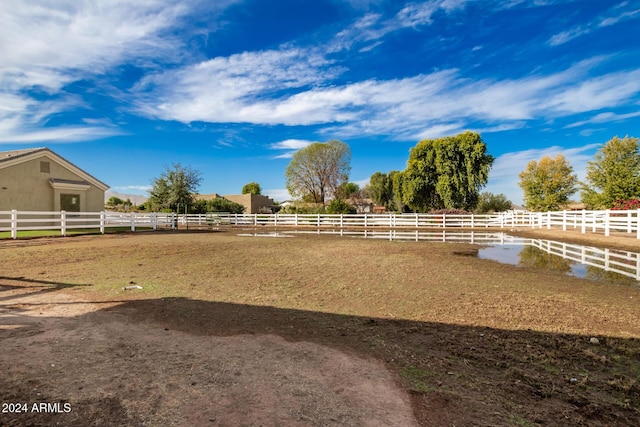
[58, 349]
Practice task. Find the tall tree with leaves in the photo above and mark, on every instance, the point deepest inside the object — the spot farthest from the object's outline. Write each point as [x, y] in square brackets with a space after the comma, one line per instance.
[380, 189]
[548, 184]
[317, 171]
[252, 188]
[489, 202]
[613, 175]
[446, 172]
[175, 186]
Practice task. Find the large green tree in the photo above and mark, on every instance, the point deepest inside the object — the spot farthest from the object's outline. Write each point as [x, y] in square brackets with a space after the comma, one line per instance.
[446, 172]
[252, 188]
[613, 174]
[380, 189]
[548, 184]
[175, 187]
[489, 202]
[317, 171]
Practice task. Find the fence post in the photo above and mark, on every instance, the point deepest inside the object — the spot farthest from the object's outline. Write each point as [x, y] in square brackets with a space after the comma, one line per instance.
[607, 221]
[629, 216]
[63, 223]
[275, 220]
[154, 221]
[564, 220]
[584, 222]
[365, 220]
[472, 226]
[173, 221]
[133, 221]
[548, 220]
[295, 219]
[341, 221]
[638, 229]
[14, 224]
[417, 220]
[318, 220]
[102, 221]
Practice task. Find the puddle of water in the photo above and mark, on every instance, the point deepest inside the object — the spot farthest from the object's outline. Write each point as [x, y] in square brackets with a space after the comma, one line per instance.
[274, 234]
[604, 265]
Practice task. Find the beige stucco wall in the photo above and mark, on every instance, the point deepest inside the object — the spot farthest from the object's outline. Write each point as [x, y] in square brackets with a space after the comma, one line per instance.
[23, 187]
[252, 202]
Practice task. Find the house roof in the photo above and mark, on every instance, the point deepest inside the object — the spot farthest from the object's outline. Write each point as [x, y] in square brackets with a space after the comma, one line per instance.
[11, 158]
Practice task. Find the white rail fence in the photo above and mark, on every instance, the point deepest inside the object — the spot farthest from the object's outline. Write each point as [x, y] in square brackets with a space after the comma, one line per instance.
[621, 262]
[586, 221]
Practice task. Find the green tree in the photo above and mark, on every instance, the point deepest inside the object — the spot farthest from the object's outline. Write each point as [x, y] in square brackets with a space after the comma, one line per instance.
[114, 201]
[339, 206]
[548, 184]
[446, 172]
[218, 204]
[347, 190]
[489, 202]
[316, 171]
[175, 186]
[613, 174]
[252, 188]
[380, 189]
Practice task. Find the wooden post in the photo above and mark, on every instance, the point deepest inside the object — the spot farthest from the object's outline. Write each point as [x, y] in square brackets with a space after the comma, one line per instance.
[472, 226]
[133, 221]
[14, 224]
[584, 222]
[154, 221]
[607, 220]
[564, 220]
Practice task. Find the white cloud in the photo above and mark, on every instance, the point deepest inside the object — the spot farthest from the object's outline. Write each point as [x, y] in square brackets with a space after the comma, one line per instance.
[278, 194]
[46, 45]
[292, 145]
[605, 118]
[580, 30]
[612, 20]
[240, 89]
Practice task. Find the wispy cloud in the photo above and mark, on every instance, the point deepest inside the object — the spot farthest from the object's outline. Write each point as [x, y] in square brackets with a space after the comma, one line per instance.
[291, 145]
[47, 45]
[604, 118]
[612, 17]
[240, 89]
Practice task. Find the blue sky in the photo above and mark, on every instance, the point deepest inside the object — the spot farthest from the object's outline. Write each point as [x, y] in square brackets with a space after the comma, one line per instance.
[233, 88]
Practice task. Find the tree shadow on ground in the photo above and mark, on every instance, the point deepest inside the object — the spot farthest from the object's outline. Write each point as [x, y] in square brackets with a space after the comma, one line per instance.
[454, 374]
[546, 378]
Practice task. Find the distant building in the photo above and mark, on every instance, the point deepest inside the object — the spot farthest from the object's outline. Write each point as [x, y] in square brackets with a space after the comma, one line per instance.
[253, 203]
[38, 179]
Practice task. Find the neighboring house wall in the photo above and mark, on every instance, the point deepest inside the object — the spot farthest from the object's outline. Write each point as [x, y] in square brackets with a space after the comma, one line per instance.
[40, 180]
[252, 202]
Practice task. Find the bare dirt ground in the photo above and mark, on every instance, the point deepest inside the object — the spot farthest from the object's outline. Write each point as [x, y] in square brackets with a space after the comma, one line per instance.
[306, 331]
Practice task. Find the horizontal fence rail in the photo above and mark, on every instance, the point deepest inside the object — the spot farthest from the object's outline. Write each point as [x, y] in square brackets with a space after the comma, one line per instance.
[606, 221]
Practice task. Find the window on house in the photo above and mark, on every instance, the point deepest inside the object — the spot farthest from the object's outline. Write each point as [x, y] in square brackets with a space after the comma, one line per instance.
[44, 167]
[70, 202]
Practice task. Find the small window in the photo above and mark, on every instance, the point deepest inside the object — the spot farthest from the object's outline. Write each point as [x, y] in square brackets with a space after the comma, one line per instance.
[70, 202]
[44, 167]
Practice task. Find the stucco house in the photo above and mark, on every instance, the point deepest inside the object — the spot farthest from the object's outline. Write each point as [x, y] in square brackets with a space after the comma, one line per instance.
[37, 179]
[253, 203]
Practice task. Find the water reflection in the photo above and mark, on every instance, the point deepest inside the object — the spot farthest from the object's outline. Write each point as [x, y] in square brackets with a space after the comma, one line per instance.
[605, 265]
